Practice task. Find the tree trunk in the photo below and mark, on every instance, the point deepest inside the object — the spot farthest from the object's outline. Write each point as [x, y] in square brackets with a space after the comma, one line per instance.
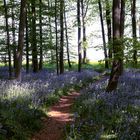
[117, 47]
[139, 28]
[56, 38]
[109, 30]
[27, 43]
[8, 38]
[34, 41]
[103, 35]
[13, 36]
[50, 32]
[122, 20]
[84, 12]
[20, 40]
[67, 40]
[40, 27]
[61, 37]
[79, 36]
[133, 14]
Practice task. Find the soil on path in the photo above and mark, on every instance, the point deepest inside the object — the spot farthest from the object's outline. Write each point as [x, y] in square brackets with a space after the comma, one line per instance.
[58, 116]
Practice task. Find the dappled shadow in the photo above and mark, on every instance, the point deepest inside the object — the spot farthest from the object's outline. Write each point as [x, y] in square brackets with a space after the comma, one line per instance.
[18, 119]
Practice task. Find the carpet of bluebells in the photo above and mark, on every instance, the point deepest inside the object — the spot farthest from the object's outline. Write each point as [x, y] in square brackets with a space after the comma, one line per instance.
[108, 116]
[21, 102]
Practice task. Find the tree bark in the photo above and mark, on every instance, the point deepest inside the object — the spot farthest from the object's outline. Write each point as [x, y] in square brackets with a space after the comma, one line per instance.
[134, 33]
[109, 30]
[40, 27]
[56, 38]
[117, 47]
[34, 41]
[79, 36]
[122, 21]
[27, 42]
[13, 36]
[84, 12]
[20, 40]
[50, 32]
[61, 37]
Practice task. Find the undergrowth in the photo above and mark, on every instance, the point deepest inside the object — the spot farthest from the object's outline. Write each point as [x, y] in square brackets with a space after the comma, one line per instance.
[108, 116]
[22, 105]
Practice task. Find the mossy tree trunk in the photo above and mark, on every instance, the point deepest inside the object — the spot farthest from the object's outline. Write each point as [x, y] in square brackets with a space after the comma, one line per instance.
[117, 46]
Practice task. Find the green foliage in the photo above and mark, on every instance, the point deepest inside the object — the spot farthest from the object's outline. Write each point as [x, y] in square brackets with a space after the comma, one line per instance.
[18, 120]
[97, 66]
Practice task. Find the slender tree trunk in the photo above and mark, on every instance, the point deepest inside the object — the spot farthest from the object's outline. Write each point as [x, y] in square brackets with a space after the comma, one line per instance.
[122, 21]
[103, 35]
[109, 30]
[8, 38]
[20, 40]
[133, 13]
[79, 36]
[56, 38]
[13, 36]
[27, 43]
[50, 32]
[61, 37]
[34, 41]
[117, 47]
[122, 18]
[139, 28]
[67, 40]
[84, 32]
[40, 26]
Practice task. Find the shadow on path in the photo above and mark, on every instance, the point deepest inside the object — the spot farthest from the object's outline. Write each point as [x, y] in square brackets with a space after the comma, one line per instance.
[58, 116]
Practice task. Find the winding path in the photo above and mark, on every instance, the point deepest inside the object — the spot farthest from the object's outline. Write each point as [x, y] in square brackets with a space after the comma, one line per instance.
[58, 116]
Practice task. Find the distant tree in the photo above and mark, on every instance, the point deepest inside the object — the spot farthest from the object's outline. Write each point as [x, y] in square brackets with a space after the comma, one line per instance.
[40, 34]
[103, 34]
[134, 32]
[20, 40]
[56, 37]
[8, 37]
[122, 25]
[79, 36]
[67, 39]
[33, 36]
[61, 37]
[50, 30]
[84, 9]
[109, 27]
[13, 33]
[27, 40]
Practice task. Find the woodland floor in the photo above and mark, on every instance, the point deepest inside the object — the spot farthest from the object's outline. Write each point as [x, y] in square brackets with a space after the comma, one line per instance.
[58, 116]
